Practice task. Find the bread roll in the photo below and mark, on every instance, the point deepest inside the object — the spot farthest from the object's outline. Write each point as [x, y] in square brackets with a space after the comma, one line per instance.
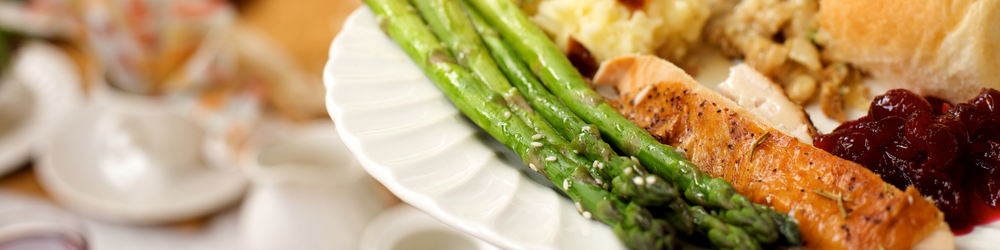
[947, 49]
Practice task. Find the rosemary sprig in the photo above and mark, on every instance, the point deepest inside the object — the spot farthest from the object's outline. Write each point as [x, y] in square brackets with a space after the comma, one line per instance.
[837, 197]
[756, 143]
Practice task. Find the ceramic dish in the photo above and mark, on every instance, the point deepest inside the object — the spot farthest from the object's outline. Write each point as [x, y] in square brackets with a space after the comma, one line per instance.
[408, 136]
[41, 90]
[128, 159]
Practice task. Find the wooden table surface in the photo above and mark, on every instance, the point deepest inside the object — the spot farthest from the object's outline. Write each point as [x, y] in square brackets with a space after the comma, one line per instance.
[304, 28]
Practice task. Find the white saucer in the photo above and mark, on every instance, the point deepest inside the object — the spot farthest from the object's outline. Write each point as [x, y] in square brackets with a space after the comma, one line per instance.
[42, 89]
[153, 173]
[405, 228]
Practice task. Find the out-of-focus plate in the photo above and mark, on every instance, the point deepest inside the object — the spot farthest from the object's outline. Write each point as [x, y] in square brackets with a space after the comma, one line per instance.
[40, 91]
[409, 137]
[129, 159]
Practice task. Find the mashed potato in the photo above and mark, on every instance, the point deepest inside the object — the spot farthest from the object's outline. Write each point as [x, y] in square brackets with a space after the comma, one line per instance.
[609, 28]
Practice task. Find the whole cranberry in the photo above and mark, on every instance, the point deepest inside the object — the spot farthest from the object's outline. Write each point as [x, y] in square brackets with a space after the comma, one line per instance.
[889, 130]
[970, 116]
[982, 161]
[941, 146]
[898, 102]
[988, 101]
[947, 196]
[893, 170]
[916, 128]
[827, 142]
[956, 127]
[984, 155]
[988, 190]
[938, 106]
[868, 129]
[853, 146]
[903, 150]
[851, 125]
[987, 131]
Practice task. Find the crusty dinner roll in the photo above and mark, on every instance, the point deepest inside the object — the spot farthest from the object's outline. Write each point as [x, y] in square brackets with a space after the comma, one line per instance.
[943, 48]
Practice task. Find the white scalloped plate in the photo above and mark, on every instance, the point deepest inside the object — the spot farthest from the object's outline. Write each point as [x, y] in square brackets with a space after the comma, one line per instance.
[408, 136]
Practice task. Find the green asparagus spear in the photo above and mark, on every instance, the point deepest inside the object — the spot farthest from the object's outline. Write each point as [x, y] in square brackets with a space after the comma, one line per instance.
[632, 223]
[678, 214]
[790, 235]
[629, 178]
[448, 22]
[559, 76]
[453, 27]
[723, 235]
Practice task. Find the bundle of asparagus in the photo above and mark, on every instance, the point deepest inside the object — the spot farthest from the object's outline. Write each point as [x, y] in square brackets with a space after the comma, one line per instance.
[472, 63]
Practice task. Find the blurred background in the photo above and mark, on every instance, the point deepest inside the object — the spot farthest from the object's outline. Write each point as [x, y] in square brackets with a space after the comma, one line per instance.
[177, 124]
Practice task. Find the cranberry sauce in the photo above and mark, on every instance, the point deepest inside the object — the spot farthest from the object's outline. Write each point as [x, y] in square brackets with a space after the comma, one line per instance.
[947, 152]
